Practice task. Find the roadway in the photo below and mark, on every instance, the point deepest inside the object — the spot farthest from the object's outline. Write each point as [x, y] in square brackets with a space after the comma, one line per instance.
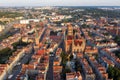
[16, 70]
[49, 75]
[41, 38]
[8, 27]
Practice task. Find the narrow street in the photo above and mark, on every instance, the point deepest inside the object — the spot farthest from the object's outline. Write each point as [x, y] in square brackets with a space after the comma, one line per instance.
[49, 75]
[16, 70]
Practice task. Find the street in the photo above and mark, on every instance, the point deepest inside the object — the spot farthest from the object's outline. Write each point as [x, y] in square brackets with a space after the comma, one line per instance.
[49, 75]
[16, 70]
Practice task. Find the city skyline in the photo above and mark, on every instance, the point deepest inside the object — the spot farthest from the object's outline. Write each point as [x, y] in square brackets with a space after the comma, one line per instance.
[60, 3]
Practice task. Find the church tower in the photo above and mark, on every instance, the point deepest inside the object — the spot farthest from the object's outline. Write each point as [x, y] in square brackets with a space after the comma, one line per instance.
[70, 30]
[73, 41]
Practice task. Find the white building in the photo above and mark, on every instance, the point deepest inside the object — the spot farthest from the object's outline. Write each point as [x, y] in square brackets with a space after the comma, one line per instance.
[27, 21]
[2, 27]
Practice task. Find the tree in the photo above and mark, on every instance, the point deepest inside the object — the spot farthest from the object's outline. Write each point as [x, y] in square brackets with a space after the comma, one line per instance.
[113, 72]
[5, 51]
[4, 55]
[110, 72]
[71, 57]
[64, 57]
[19, 43]
[77, 66]
[117, 39]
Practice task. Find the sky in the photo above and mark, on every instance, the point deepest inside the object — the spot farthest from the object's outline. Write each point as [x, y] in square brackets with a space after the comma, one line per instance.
[59, 2]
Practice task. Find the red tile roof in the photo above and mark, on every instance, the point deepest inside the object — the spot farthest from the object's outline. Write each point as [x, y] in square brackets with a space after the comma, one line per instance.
[41, 52]
[77, 42]
[70, 37]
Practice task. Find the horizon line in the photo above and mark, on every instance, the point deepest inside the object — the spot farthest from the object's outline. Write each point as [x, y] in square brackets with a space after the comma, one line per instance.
[63, 6]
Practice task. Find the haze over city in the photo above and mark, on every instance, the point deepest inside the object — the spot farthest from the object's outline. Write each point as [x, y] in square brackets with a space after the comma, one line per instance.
[59, 39]
[59, 3]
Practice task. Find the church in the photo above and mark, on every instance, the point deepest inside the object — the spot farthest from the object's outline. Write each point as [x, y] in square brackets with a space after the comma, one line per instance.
[72, 42]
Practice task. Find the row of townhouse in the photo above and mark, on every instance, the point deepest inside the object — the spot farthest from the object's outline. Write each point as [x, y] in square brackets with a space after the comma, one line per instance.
[99, 70]
[88, 73]
[57, 68]
[110, 55]
[37, 67]
[12, 61]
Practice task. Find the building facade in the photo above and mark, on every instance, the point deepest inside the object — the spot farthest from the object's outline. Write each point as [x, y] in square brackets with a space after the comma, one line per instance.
[72, 42]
